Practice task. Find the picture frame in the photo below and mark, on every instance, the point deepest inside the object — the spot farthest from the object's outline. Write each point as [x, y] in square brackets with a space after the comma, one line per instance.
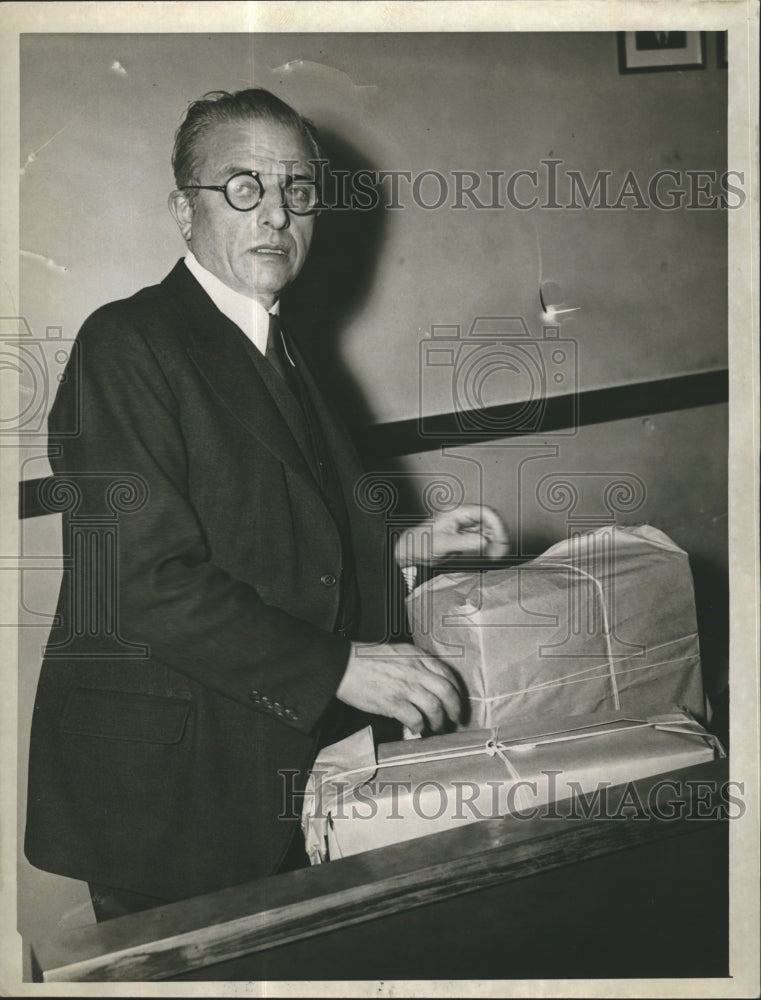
[656, 51]
[721, 50]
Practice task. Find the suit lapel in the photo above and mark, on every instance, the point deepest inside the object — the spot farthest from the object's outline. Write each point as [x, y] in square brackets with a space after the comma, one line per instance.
[290, 409]
[340, 448]
[219, 350]
[368, 531]
[242, 382]
[337, 440]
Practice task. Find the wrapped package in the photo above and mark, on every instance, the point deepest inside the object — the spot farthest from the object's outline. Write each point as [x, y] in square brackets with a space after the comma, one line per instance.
[358, 799]
[601, 621]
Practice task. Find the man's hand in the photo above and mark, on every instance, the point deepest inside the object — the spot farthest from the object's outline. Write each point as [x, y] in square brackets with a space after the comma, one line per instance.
[469, 530]
[398, 681]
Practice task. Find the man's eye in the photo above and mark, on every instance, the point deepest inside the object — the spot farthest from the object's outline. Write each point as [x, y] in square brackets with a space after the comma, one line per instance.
[300, 195]
[244, 186]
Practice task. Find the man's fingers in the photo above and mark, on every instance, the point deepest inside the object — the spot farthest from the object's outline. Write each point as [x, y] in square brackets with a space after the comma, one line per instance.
[470, 529]
[465, 515]
[446, 692]
[410, 717]
[495, 531]
[432, 708]
[432, 689]
[422, 711]
[446, 673]
[470, 526]
[496, 548]
[412, 689]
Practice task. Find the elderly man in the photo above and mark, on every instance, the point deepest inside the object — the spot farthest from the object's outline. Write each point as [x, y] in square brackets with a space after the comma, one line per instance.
[248, 576]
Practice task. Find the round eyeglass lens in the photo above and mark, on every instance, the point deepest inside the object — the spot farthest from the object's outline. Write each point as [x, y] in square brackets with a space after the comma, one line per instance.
[300, 197]
[243, 192]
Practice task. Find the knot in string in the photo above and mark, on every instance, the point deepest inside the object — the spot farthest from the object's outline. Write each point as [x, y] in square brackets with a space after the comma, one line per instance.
[494, 748]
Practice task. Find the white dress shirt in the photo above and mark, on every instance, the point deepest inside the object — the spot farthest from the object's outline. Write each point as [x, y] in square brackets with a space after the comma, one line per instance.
[247, 313]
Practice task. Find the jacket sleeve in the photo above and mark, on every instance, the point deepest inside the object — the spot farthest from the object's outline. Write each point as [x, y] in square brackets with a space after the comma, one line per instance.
[194, 617]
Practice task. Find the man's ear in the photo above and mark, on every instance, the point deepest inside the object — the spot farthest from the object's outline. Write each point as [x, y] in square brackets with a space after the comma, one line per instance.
[182, 212]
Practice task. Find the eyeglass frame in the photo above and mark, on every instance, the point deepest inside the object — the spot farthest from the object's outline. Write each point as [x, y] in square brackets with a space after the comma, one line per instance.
[255, 174]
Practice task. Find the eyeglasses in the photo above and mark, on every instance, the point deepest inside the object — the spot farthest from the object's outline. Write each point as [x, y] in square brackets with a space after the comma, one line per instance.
[244, 191]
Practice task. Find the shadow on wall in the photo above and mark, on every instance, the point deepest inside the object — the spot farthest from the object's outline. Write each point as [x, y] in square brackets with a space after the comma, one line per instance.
[336, 283]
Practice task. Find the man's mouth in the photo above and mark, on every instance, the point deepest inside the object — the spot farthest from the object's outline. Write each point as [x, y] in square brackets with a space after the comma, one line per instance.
[267, 250]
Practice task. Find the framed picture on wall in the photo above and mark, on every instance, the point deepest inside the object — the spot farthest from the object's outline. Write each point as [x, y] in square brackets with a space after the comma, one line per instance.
[721, 49]
[650, 51]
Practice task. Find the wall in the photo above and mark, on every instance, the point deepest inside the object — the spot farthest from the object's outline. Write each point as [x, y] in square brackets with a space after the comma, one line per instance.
[648, 286]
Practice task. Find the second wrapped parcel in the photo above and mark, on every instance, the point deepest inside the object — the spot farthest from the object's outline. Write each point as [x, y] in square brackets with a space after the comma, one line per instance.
[601, 621]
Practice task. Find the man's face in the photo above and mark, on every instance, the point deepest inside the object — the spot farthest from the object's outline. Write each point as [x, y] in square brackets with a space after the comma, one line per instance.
[259, 252]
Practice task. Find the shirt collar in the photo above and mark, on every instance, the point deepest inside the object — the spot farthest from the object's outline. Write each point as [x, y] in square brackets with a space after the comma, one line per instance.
[245, 312]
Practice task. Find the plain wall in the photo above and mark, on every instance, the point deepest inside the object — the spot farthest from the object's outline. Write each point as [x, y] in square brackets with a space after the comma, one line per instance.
[650, 285]
[99, 113]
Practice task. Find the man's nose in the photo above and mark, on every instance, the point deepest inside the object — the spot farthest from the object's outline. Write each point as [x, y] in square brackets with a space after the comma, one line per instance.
[270, 211]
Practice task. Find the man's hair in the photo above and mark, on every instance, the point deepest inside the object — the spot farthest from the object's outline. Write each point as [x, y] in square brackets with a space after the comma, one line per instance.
[218, 107]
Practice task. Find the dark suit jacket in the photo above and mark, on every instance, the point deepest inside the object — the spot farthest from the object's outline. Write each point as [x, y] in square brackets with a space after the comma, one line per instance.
[159, 731]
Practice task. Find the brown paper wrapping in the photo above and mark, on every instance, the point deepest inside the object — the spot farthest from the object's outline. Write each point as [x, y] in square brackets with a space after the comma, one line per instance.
[602, 621]
[358, 799]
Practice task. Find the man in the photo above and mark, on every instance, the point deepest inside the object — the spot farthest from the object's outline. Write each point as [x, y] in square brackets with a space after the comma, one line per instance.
[248, 578]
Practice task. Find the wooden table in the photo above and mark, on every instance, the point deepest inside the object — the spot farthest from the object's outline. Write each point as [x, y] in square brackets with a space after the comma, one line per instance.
[622, 896]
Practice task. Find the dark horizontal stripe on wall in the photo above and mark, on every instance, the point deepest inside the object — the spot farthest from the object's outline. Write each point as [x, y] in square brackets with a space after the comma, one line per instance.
[557, 414]
[546, 416]
[29, 504]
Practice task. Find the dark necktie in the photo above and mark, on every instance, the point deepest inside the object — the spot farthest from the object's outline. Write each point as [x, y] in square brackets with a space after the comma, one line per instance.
[277, 355]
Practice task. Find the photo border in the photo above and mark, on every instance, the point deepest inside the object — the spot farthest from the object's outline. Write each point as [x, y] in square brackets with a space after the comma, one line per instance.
[741, 17]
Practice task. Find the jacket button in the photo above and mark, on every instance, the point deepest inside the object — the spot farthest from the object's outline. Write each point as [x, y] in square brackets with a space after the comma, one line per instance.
[328, 580]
